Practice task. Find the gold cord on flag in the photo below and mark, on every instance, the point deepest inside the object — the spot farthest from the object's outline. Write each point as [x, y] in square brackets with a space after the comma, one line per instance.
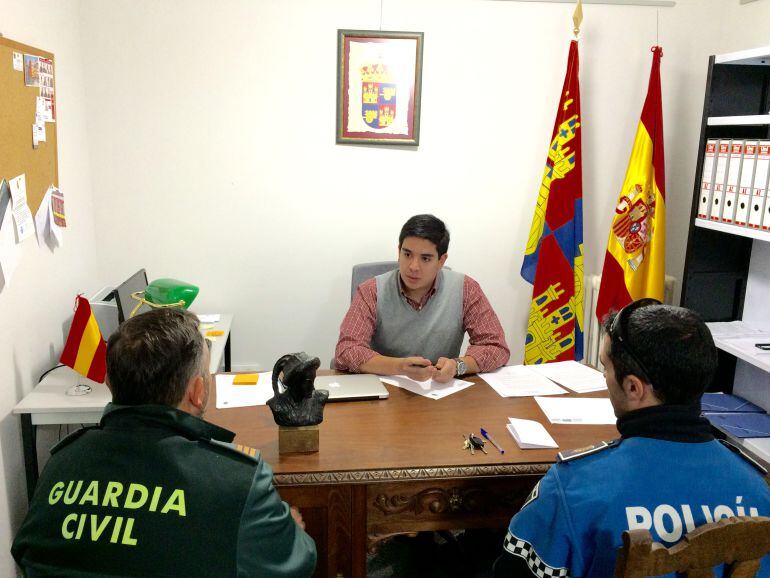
[577, 17]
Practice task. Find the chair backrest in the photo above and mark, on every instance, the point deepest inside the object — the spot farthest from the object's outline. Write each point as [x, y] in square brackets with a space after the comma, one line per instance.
[365, 271]
[739, 542]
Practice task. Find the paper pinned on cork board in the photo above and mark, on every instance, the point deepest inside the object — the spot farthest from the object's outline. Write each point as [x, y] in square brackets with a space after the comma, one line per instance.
[9, 250]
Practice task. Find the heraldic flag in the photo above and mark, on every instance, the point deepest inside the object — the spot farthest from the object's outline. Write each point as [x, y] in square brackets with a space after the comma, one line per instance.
[553, 261]
[634, 264]
[85, 351]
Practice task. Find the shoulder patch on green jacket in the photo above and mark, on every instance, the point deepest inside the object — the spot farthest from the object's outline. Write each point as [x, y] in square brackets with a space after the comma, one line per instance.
[734, 448]
[71, 438]
[237, 449]
[569, 455]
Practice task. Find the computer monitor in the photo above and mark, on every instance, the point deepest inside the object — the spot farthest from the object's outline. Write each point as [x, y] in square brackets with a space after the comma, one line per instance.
[137, 282]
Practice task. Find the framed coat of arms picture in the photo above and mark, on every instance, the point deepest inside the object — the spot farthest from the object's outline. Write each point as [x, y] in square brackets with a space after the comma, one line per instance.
[379, 79]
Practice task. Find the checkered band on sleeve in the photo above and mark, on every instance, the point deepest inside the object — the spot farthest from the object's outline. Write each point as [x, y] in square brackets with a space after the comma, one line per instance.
[525, 550]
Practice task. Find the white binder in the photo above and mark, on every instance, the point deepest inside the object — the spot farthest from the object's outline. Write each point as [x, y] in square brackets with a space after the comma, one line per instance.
[759, 187]
[747, 179]
[707, 178]
[720, 173]
[731, 181]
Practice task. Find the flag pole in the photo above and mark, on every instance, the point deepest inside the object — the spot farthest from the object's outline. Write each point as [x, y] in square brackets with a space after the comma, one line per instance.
[577, 18]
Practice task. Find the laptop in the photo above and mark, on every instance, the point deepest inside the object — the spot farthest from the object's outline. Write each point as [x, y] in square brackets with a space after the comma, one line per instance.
[352, 387]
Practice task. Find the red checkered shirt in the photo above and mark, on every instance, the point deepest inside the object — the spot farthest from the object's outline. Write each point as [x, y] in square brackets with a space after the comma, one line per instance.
[487, 338]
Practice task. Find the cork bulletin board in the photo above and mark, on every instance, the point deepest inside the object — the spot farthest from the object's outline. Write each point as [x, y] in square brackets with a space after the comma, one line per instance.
[17, 116]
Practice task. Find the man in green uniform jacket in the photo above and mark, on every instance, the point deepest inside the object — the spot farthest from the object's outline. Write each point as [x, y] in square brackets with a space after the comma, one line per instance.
[154, 490]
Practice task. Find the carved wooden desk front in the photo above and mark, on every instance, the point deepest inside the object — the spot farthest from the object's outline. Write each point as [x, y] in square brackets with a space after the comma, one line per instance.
[397, 465]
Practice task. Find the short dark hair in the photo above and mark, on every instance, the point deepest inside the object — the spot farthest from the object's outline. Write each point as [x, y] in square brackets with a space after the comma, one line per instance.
[426, 227]
[152, 357]
[674, 348]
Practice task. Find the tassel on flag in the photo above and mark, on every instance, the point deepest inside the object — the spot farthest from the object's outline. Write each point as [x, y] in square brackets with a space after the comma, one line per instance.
[85, 350]
[634, 264]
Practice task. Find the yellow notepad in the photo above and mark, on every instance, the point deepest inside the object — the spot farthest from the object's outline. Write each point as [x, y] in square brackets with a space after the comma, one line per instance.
[246, 379]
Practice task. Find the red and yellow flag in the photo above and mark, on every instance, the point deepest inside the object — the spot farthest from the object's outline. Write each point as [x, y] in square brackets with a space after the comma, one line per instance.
[634, 264]
[553, 259]
[85, 350]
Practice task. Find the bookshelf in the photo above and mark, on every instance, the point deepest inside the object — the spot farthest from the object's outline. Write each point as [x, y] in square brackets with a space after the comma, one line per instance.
[727, 267]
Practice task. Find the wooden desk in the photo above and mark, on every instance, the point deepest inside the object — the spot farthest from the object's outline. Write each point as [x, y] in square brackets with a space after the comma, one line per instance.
[397, 465]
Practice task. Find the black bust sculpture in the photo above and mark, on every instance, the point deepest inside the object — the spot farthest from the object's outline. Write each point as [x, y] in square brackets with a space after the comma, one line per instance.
[300, 404]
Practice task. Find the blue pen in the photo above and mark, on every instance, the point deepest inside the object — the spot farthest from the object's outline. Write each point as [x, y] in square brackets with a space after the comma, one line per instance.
[486, 435]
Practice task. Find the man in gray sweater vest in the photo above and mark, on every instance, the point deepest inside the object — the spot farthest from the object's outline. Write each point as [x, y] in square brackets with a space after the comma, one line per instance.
[411, 321]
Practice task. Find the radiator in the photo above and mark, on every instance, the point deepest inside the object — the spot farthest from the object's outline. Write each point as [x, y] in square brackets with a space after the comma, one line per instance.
[593, 334]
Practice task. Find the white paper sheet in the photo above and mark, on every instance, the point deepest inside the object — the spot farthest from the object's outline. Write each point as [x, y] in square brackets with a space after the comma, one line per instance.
[520, 381]
[9, 251]
[429, 388]
[580, 411]
[43, 219]
[530, 434]
[18, 61]
[573, 375]
[732, 330]
[229, 395]
[210, 317]
[22, 216]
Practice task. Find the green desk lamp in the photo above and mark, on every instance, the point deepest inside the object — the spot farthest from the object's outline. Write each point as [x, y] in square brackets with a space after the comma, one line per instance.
[165, 293]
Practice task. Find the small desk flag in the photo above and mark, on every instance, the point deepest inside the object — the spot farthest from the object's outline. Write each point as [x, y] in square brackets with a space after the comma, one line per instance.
[634, 263]
[553, 260]
[85, 350]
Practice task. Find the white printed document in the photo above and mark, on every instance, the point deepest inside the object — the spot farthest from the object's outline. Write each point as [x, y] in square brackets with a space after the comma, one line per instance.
[573, 375]
[581, 411]
[520, 381]
[530, 434]
[230, 395]
[430, 388]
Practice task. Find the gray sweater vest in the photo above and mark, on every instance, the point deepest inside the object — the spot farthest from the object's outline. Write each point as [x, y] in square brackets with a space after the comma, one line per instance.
[434, 331]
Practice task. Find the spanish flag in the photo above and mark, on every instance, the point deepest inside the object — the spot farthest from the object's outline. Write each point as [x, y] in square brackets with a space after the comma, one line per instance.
[634, 264]
[85, 350]
[553, 259]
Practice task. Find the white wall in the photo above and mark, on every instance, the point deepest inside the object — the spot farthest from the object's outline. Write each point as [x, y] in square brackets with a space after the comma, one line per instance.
[41, 296]
[212, 128]
[206, 132]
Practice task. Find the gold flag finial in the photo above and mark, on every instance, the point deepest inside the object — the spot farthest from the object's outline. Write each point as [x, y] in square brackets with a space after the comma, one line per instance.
[577, 17]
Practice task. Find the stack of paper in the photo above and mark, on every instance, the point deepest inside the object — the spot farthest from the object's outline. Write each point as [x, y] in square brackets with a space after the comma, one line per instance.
[573, 375]
[520, 381]
[430, 388]
[246, 391]
[530, 434]
[581, 411]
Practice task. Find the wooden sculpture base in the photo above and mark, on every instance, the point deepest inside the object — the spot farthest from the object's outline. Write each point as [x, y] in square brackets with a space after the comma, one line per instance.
[298, 440]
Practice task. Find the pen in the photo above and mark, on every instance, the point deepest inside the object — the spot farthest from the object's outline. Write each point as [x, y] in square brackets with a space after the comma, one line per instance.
[485, 434]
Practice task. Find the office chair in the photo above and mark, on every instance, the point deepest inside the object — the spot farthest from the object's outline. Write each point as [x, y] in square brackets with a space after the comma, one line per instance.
[365, 271]
[739, 542]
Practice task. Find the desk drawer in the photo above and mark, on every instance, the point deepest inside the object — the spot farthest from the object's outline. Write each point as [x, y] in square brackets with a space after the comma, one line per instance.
[447, 504]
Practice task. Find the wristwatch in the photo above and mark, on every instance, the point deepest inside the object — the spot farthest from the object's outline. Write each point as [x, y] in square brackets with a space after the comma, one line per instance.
[460, 371]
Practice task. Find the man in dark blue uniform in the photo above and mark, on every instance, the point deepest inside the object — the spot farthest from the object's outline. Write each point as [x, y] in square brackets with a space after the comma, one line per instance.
[666, 473]
[154, 490]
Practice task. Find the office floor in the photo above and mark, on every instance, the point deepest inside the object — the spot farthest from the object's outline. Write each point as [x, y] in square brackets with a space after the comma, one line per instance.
[429, 555]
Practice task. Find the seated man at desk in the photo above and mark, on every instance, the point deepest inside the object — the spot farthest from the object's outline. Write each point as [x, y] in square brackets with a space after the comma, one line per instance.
[666, 473]
[411, 321]
[154, 490]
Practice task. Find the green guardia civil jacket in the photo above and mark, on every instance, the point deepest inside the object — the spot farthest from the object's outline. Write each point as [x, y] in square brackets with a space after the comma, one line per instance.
[154, 491]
